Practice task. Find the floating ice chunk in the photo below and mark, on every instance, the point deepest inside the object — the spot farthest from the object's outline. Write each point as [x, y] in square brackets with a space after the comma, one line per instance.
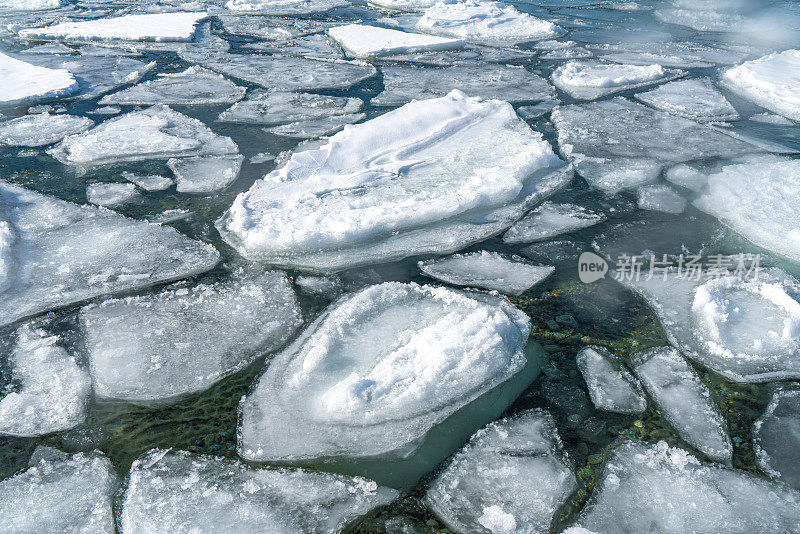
[7, 239]
[687, 176]
[772, 82]
[776, 437]
[758, 199]
[272, 28]
[328, 286]
[744, 329]
[157, 347]
[611, 386]
[487, 270]
[664, 490]
[549, 220]
[511, 477]
[696, 99]
[65, 253]
[154, 182]
[52, 392]
[29, 83]
[139, 27]
[41, 129]
[486, 22]
[315, 128]
[182, 492]
[535, 111]
[195, 86]
[360, 40]
[29, 5]
[364, 382]
[702, 20]
[262, 157]
[156, 132]
[682, 55]
[110, 194]
[60, 494]
[205, 174]
[280, 107]
[660, 198]
[403, 5]
[390, 187]
[589, 80]
[283, 7]
[513, 84]
[684, 400]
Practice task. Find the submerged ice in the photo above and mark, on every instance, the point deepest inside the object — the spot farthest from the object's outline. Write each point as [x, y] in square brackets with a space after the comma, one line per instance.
[549, 220]
[776, 437]
[41, 129]
[611, 386]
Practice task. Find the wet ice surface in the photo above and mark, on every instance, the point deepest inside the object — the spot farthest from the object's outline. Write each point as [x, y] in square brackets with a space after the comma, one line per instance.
[776, 437]
[592, 80]
[194, 86]
[611, 386]
[41, 129]
[549, 220]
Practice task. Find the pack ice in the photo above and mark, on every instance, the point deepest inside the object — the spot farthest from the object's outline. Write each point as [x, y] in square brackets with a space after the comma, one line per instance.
[60, 493]
[194, 87]
[589, 80]
[360, 40]
[282, 107]
[665, 490]
[62, 253]
[157, 347]
[741, 326]
[177, 26]
[391, 187]
[511, 477]
[205, 174]
[684, 400]
[52, 388]
[30, 83]
[487, 270]
[695, 99]
[776, 437]
[611, 386]
[549, 220]
[41, 129]
[362, 385]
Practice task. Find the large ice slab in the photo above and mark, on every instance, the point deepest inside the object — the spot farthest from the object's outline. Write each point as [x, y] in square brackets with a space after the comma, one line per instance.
[758, 199]
[549, 220]
[161, 346]
[364, 381]
[390, 187]
[58, 493]
[589, 80]
[155, 132]
[611, 386]
[664, 490]
[776, 437]
[481, 21]
[281, 107]
[695, 99]
[193, 87]
[179, 26]
[360, 40]
[205, 174]
[741, 326]
[511, 477]
[513, 84]
[30, 83]
[41, 129]
[52, 388]
[182, 492]
[487, 270]
[64, 253]
[772, 82]
[684, 401]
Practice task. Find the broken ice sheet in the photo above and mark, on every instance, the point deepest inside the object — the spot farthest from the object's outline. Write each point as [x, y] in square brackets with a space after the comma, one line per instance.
[281, 107]
[154, 348]
[110, 194]
[590, 80]
[194, 87]
[30, 83]
[205, 174]
[549, 220]
[177, 26]
[660, 197]
[41, 129]
[283, 7]
[360, 40]
[772, 82]
[511, 477]
[611, 386]
[315, 128]
[317, 46]
[776, 437]
[695, 99]
[271, 28]
[487, 270]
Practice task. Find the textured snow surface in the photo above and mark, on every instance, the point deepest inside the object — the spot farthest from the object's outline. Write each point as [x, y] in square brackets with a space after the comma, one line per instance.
[695, 99]
[589, 80]
[403, 5]
[660, 198]
[205, 174]
[140, 27]
[549, 220]
[156, 347]
[195, 86]
[29, 83]
[64, 253]
[611, 386]
[510, 478]
[487, 270]
[772, 82]
[776, 437]
[360, 40]
[41, 129]
[110, 194]
[281, 107]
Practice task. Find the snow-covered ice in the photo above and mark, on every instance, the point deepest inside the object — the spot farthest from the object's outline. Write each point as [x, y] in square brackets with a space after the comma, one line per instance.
[695, 99]
[660, 197]
[29, 5]
[776, 437]
[64, 253]
[360, 40]
[549, 220]
[611, 386]
[151, 182]
[205, 174]
[510, 478]
[29, 83]
[193, 87]
[684, 401]
[41, 129]
[52, 387]
[772, 82]
[181, 492]
[589, 80]
[365, 196]
[110, 194]
[182, 340]
[487, 270]
[281, 107]
[179, 26]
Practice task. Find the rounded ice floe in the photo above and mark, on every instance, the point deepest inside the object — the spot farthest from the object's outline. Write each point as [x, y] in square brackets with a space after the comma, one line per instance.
[153, 348]
[745, 329]
[110, 194]
[510, 478]
[772, 82]
[589, 80]
[177, 26]
[393, 187]
[663, 490]
[611, 386]
[487, 270]
[395, 375]
[59, 493]
[549, 220]
[486, 22]
[660, 197]
[696, 99]
[776, 437]
[361, 40]
[205, 174]
[41, 129]
[52, 388]
[193, 87]
[184, 493]
[30, 83]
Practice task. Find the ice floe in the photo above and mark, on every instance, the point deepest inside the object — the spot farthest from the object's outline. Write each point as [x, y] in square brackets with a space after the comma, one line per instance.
[205, 174]
[110, 194]
[315, 128]
[687, 176]
[776, 437]
[283, 7]
[281, 107]
[390, 187]
[360, 40]
[193, 87]
[696, 99]
[772, 82]
[64, 253]
[157, 347]
[151, 182]
[178, 26]
[30, 83]
[403, 5]
[510, 478]
[363, 382]
[29, 5]
[660, 197]
[487, 270]
[41, 129]
[611, 386]
[589, 80]
[549, 220]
